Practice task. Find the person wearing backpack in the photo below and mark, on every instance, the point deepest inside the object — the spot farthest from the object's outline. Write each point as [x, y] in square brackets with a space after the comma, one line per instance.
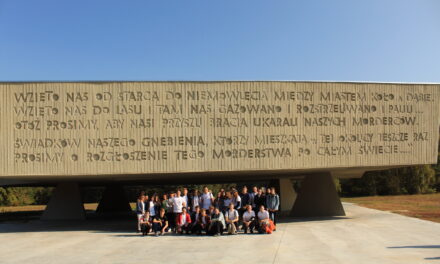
[232, 220]
[249, 221]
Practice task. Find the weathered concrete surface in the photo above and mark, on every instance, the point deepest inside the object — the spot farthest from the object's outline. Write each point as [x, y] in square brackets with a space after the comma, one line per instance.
[317, 197]
[363, 236]
[65, 204]
[122, 130]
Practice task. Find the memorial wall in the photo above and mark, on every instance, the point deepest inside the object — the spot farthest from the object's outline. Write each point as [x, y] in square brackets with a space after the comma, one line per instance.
[103, 128]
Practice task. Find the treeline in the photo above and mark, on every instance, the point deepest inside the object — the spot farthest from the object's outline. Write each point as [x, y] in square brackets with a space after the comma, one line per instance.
[13, 196]
[408, 180]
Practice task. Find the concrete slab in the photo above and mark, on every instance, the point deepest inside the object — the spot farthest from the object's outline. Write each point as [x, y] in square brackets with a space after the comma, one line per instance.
[363, 236]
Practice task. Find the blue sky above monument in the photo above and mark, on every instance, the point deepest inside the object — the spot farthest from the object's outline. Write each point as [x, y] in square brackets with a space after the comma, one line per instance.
[389, 41]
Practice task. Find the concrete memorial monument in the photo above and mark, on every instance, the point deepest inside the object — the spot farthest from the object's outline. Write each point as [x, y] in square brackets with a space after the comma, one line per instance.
[76, 132]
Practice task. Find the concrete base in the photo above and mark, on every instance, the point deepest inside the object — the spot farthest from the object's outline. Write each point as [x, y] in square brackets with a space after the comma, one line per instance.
[318, 197]
[114, 200]
[65, 204]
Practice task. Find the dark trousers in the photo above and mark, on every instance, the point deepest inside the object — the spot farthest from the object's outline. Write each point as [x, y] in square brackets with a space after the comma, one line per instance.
[196, 228]
[216, 228]
[184, 228]
[157, 227]
[174, 219]
[171, 220]
[145, 228]
[273, 217]
[251, 226]
[255, 209]
[240, 214]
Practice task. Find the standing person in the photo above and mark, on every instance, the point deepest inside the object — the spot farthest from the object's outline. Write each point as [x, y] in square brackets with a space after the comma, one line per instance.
[160, 223]
[152, 206]
[227, 201]
[218, 202]
[183, 222]
[245, 201]
[170, 212]
[236, 200]
[249, 220]
[140, 210]
[232, 220]
[157, 204]
[178, 204]
[147, 202]
[245, 198]
[252, 198]
[167, 208]
[273, 203]
[186, 198]
[194, 200]
[260, 200]
[146, 223]
[268, 191]
[207, 199]
[217, 224]
[164, 203]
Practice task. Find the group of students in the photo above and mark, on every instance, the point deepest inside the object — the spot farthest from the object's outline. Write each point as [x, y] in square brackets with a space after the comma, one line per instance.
[197, 213]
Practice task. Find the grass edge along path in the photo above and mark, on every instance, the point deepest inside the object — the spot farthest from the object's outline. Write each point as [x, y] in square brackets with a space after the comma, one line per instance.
[423, 206]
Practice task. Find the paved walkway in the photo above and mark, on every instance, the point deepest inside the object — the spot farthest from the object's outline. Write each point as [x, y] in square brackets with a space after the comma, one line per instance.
[364, 236]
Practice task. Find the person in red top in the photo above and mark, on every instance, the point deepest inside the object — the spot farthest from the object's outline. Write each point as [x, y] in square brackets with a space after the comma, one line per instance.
[183, 222]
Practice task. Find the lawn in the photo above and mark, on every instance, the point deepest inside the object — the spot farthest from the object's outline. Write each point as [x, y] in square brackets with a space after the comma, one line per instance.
[424, 206]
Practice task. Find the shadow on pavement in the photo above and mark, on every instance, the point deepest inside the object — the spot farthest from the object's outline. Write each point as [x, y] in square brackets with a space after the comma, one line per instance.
[29, 222]
[426, 246]
[290, 219]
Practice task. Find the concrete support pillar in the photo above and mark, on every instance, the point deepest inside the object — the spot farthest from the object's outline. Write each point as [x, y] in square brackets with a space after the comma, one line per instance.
[318, 197]
[287, 196]
[65, 204]
[286, 192]
[114, 200]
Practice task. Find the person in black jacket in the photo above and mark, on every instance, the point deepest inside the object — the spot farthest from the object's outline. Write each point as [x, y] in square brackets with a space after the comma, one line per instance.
[245, 201]
[259, 200]
[160, 223]
[195, 225]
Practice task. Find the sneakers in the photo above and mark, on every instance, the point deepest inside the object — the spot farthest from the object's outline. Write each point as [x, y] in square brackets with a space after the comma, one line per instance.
[157, 233]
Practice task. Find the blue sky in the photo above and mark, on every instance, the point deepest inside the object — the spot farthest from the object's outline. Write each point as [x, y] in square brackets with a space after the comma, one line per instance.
[374, 40]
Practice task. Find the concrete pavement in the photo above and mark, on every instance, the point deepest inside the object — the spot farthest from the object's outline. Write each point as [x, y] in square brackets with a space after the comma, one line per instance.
[363, 236]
